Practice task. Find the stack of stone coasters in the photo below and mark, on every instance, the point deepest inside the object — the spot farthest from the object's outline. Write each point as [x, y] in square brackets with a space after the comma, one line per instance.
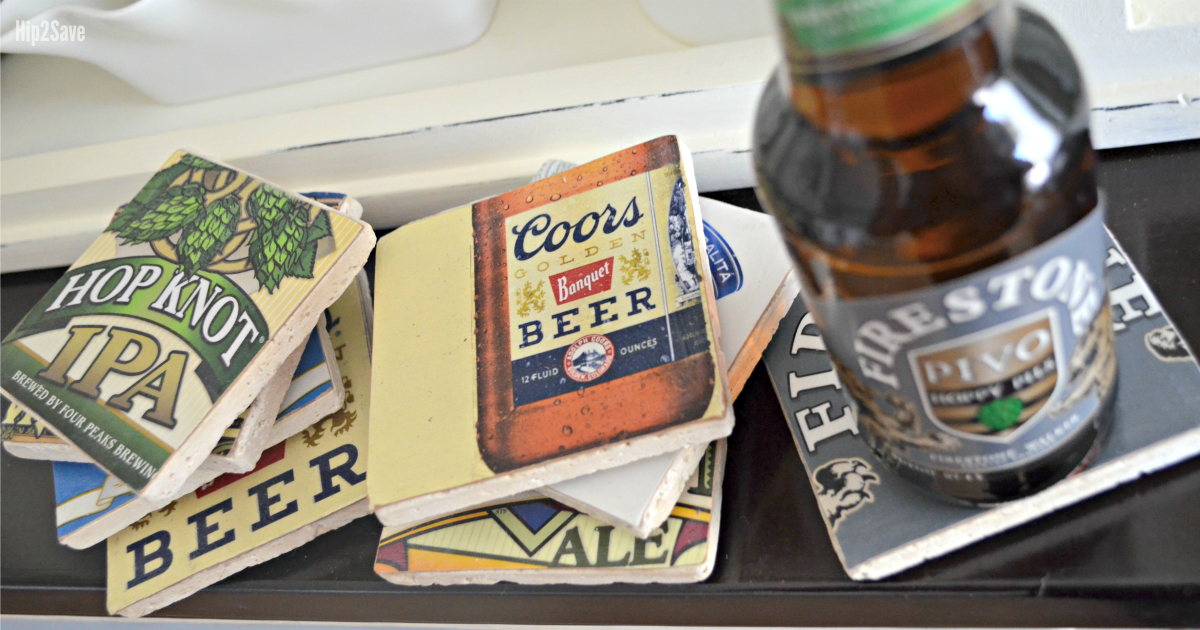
[311, 483]
[575, 352]
[754, 284]
[180, 343]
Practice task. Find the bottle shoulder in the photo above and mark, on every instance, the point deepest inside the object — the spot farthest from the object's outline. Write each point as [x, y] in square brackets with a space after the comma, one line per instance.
[1018, 146]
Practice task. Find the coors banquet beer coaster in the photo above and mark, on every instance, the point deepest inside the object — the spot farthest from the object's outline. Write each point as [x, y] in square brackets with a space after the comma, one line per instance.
[754, 285]
[88, 509]
[531, 539]
[176, 316]
[488, 402]
[881, 524]
[307, 485]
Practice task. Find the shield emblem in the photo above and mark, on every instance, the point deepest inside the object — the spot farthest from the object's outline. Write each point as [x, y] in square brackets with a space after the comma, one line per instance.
[989, 384]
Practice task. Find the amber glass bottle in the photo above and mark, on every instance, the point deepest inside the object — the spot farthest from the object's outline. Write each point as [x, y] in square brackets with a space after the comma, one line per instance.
[929, 163]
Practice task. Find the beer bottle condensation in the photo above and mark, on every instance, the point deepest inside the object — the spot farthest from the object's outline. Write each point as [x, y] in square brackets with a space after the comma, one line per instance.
[929, 163]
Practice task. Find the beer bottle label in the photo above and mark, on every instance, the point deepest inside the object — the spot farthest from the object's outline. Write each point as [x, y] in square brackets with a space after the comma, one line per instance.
[837, 26]
[846, 34]
[985, 372]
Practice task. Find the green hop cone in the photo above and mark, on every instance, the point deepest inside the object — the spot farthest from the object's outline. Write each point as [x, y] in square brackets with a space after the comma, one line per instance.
[280, 237]
[142, 202]
[169, 213]
[1001, 414]
[268, 204]
[201, 241]
[192, 161]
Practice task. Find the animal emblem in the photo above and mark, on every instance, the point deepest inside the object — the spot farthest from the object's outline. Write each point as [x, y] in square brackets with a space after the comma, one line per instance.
[843, 487]
[636, 267]
[1166, 345]
[890, 416]
[339, 422]
[531, 298]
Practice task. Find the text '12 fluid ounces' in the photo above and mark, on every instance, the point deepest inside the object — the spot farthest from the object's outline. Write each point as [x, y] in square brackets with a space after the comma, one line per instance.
[929, 163]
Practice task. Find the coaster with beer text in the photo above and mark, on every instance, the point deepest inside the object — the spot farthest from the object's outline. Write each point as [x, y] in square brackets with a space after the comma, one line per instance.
[176, 317]
[531, 539]
[312, 483]
[573, 331]
[881, 524]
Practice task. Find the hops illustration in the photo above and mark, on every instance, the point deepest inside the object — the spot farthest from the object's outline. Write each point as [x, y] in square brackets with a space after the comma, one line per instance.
[170, 212]
[196, 162]
[141, 203]
[280, 238]
[203, 239]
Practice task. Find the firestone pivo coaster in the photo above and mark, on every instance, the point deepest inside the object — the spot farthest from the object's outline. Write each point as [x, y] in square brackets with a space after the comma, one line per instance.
[881, 524]
[309, 484]
[176, 316]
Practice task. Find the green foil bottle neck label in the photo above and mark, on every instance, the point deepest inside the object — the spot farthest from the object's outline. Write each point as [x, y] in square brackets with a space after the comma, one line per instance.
[826, 28]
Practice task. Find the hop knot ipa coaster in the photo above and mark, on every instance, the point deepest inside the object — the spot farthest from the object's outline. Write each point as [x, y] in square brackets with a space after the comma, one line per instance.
[574, 331]
[176, 316]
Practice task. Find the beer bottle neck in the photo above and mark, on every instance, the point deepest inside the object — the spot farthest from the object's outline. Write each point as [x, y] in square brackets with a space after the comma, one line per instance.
[884, 69]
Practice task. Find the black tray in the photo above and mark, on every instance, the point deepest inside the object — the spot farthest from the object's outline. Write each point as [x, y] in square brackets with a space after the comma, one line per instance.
[1128, 558]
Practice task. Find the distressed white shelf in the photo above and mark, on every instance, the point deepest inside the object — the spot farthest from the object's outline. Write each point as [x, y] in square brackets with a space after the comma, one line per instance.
[563, 79]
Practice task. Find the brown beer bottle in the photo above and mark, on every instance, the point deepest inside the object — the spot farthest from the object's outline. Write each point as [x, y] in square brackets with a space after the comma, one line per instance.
[929, 163]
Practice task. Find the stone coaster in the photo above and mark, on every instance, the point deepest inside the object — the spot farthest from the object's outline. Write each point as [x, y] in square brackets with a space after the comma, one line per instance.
[176, 317]
[881, 525]
[573, 331]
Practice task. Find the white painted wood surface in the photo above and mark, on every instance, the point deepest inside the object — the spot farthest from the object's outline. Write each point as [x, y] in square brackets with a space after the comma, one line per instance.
[181, 51]
[567, 79]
